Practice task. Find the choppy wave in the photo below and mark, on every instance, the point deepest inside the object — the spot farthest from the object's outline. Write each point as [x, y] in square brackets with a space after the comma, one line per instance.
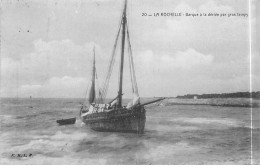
[7, 119]
[173, 135]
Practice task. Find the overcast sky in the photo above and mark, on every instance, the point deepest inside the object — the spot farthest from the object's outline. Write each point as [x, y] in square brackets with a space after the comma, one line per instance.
[46, 47]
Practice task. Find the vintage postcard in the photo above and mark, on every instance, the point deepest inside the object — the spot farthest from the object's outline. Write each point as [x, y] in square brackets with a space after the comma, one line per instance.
[130, 82]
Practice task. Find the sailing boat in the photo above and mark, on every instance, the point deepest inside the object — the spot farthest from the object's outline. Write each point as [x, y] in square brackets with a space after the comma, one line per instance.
[113, 116]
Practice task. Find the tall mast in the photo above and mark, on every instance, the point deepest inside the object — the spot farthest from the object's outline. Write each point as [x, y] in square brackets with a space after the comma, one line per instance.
[122, 56]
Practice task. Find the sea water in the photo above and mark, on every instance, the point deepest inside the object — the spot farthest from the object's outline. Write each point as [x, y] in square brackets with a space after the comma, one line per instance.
[174, 134]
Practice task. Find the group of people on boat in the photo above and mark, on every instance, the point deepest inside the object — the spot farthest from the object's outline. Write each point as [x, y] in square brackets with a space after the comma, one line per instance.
[96, 108]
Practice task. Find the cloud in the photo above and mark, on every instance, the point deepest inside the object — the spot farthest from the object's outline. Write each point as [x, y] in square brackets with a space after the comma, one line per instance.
[219, 36]
[188, 59]
[188, 54]
[55, 68]
[189, 71]
[56, 58]
[211, 6]
[185, 60]
[57, 87]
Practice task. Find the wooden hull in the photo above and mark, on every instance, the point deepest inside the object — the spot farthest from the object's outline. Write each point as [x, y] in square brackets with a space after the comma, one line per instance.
[118, 120]
[66, 121]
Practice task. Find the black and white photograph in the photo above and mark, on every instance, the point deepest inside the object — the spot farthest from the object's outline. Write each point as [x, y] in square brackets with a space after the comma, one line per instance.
[129, 82]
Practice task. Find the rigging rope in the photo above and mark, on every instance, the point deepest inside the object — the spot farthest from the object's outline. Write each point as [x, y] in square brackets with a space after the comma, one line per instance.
[131, 71]
[112, 61]
[111, 65]
[131, 62]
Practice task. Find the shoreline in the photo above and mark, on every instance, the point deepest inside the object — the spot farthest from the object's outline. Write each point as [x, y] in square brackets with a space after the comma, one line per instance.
[223, 102]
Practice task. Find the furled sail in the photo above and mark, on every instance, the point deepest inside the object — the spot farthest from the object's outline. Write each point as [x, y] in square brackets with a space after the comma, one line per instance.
[92, 93]
[134, 101]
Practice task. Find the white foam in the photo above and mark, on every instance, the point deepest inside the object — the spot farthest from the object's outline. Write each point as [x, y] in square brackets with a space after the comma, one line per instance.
[160, 154]
[45, 160]
[79, 123]
[7, 119]
[45, 144]
[208, 121]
